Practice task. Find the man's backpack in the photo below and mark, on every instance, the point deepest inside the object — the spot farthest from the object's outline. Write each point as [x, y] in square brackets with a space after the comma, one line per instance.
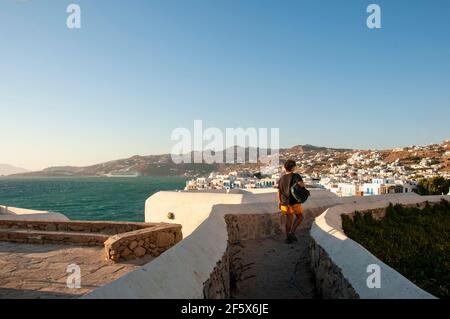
[299, 193]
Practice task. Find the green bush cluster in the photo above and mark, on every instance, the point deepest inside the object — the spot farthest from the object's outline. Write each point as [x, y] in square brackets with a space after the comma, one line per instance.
[433, 186]
[413, 241]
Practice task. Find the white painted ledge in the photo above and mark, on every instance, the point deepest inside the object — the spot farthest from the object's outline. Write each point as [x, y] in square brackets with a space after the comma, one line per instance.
[14, 213]
[353, 259]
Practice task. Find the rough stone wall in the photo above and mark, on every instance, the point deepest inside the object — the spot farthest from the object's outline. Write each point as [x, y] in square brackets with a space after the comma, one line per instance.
[150, 241]
[330, 282]
[128, 240]
[218, 284]
[228, 270]
[252, 226]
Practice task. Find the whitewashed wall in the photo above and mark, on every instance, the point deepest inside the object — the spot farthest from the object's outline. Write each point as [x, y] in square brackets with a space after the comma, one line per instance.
[181, 271]
[352, 259]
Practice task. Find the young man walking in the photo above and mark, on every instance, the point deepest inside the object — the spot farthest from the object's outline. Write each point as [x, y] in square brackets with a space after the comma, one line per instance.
[288, 205]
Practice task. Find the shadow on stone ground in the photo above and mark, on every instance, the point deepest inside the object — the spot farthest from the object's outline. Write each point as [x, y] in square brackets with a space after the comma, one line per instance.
[11, 293]
[274, 269]
[40, 271]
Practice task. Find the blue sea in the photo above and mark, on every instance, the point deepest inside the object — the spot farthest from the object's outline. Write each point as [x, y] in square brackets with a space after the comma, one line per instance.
[86, 198]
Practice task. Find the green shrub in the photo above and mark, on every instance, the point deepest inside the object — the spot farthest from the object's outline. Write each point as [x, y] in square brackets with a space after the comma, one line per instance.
[415, 242]
[433, 186]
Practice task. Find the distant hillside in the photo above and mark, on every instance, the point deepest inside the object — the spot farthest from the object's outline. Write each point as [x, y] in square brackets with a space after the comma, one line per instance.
[6, 169]
[312, 148]
[162, 165]
[314, 157]
[153, 165]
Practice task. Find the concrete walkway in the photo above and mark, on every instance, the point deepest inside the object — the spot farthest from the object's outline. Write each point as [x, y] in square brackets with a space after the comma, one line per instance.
[275, 269]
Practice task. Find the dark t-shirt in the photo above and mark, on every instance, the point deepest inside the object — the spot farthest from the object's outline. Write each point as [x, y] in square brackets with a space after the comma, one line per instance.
[284, 186]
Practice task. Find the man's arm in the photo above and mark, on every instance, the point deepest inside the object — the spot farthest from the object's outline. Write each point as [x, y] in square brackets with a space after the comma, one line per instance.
[279, 199]
[300, 181]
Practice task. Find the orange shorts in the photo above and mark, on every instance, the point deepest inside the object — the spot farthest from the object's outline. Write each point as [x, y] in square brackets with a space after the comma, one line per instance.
[296, 209]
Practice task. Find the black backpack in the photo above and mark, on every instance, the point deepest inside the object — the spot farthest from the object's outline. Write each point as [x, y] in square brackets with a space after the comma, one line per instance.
[300, 194]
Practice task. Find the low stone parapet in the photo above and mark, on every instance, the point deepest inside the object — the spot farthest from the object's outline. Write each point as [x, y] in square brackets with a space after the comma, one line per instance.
[148, 241]
[122, 240]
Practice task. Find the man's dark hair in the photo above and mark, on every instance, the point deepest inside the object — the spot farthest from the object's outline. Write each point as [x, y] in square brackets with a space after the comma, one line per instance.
[289, 165]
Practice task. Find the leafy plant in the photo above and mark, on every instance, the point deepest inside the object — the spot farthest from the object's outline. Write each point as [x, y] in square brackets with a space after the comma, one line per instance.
[433, 186]
[415, 242]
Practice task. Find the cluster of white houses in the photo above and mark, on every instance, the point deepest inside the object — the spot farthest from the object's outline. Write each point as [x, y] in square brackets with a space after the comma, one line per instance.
[360, 174]
[231, 181]
[377, 186]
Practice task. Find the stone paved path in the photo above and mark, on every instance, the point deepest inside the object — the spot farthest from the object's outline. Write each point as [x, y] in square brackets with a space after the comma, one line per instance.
[277, 270]
[39, 271]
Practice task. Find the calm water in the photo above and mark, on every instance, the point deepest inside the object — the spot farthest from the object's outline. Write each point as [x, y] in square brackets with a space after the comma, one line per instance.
[87, 198]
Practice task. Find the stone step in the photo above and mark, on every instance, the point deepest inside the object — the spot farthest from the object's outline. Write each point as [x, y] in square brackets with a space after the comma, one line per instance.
[52, 237]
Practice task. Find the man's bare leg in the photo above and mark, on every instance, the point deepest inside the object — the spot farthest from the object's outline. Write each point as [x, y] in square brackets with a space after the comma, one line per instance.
[289, 219]
[297, 222]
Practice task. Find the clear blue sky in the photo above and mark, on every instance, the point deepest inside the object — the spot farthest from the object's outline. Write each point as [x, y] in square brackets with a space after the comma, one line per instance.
[136, 70]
